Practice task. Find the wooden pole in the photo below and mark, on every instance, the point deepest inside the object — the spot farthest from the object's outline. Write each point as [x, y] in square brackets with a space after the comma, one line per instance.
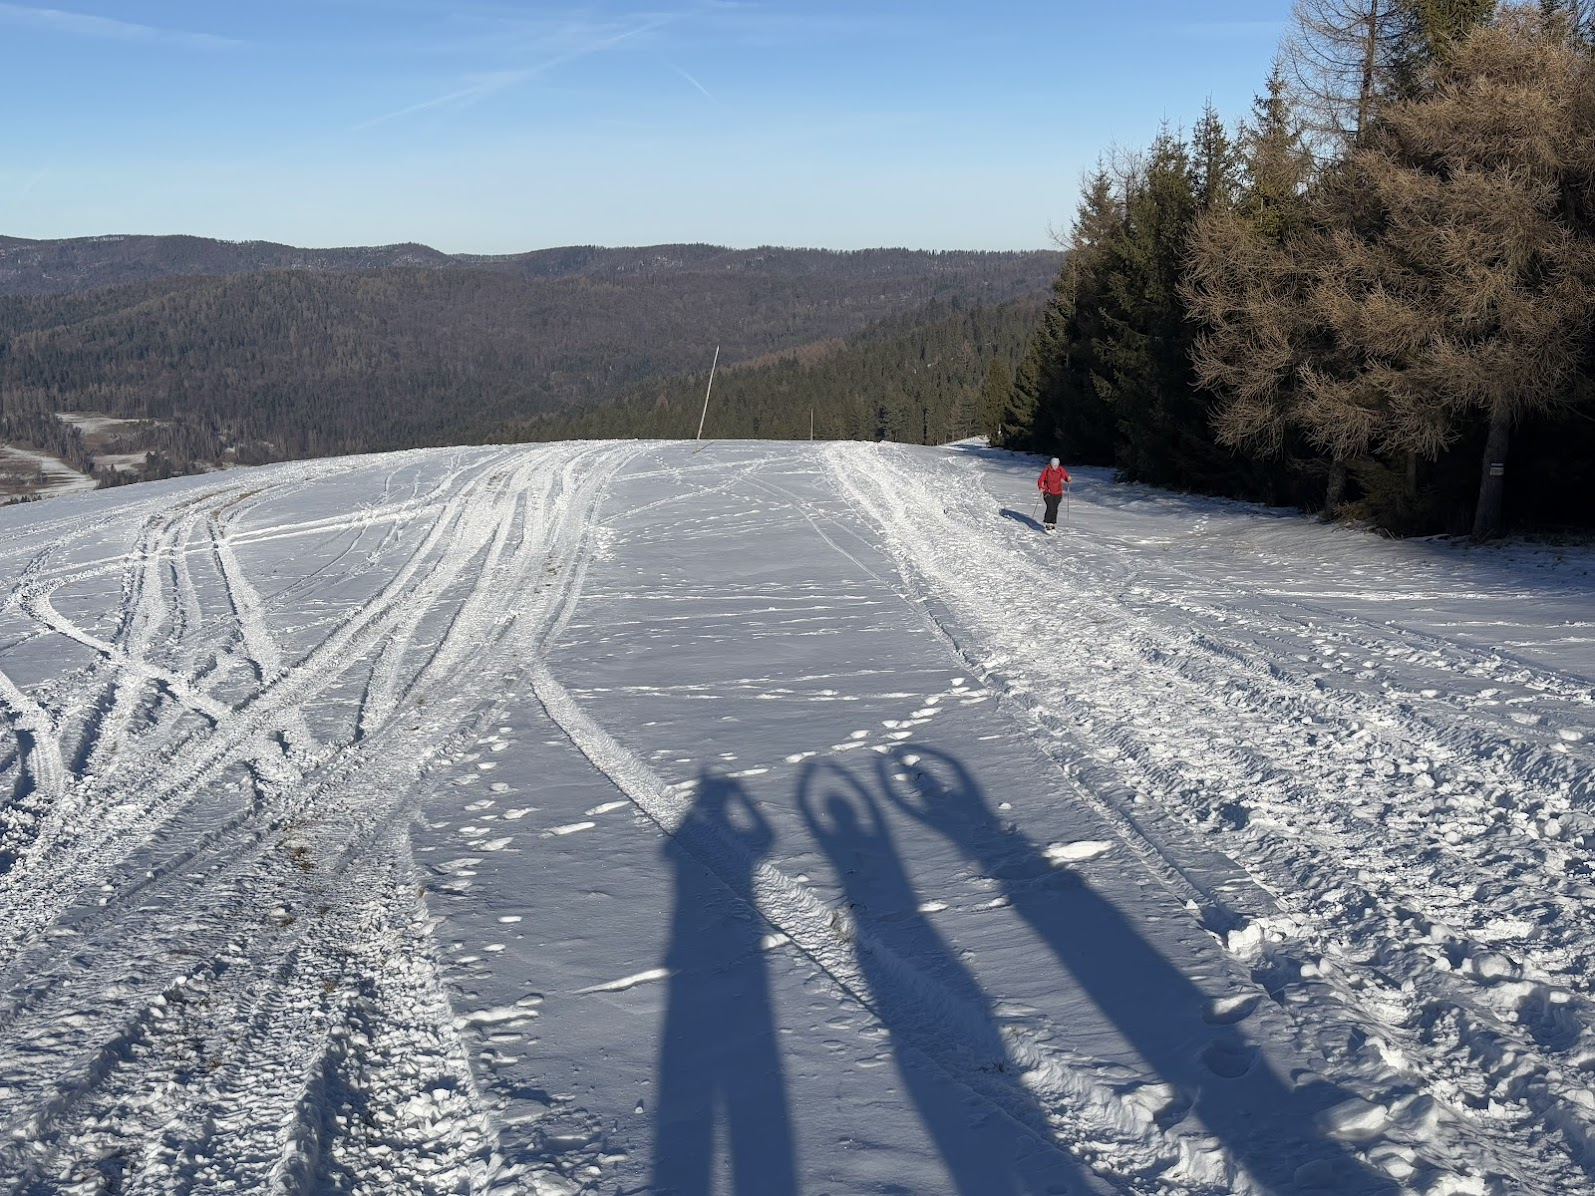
[706, 391]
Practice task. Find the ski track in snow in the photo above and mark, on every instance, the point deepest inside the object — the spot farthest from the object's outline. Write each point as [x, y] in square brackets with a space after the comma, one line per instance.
[263, 1014]
[216, 965]
[1431, 936]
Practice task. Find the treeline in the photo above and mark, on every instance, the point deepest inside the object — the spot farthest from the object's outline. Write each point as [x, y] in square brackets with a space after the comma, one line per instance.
[1375, 298]
[921, 378]
[38, 428]
[93, 263]
[305, 363]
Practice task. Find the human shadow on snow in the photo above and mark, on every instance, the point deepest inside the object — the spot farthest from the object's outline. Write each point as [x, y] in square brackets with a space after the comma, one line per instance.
[1020, 517]
[942, 1026]
[1269, 1128]
[720, 1070]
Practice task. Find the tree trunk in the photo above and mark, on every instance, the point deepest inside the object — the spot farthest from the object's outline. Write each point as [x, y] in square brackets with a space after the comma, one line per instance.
[1336, 493]
[1370, 60]
[1492, 478]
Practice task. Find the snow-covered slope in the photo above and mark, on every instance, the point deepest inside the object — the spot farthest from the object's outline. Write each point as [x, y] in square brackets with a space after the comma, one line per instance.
[783, 818]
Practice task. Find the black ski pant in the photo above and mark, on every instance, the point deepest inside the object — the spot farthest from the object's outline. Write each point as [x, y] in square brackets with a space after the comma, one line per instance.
[1052, 508]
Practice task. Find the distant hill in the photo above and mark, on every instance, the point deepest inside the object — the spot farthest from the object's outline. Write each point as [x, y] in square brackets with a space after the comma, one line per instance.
[324, 353]
[264, 351]
[88, 263]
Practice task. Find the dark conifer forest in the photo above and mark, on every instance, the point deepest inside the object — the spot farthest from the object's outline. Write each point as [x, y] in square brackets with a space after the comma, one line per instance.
[254, 360]
[1373, 297]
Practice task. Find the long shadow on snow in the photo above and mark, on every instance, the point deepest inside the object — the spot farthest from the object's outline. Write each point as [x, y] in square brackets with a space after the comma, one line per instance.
[719, 1062]
[986, 1152]
[1020, 517]
[1267, 1127]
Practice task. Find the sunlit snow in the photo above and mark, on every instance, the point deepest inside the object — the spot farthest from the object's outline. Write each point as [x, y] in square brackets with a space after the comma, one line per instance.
[784, 818]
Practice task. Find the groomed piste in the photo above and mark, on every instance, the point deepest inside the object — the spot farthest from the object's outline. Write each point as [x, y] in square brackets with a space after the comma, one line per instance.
[609, 818]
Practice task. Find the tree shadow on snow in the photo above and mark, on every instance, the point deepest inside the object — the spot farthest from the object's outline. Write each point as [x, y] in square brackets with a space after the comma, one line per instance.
[719, 1062]
[944, 1032]
[1269, 1128]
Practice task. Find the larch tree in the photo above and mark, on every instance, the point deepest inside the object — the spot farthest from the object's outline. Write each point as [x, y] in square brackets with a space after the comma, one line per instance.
[1246, 286]
[1341, 57]
[1463, 274]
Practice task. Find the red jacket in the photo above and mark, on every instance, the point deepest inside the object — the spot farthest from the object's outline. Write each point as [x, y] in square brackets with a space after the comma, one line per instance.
[1052, 479]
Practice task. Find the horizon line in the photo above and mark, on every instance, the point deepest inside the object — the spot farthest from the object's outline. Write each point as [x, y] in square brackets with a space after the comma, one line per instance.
[767, 245]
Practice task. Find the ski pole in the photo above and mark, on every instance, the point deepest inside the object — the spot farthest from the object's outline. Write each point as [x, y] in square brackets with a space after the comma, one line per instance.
[1066, 520]
[1034, 507]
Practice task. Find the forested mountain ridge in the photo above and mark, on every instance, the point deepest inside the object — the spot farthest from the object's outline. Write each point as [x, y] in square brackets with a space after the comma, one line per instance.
[314, 361]
[88, 263]
[914, 378]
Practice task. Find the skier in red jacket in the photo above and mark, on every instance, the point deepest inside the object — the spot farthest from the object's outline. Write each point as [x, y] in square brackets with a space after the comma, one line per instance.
[1051, 483]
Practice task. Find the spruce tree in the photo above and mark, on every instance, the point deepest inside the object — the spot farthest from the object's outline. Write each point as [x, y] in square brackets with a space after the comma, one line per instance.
[1215, 163]
[1143, 350]
[1247, 287]
[994, 392]
[1054, 399]
[1427, 31]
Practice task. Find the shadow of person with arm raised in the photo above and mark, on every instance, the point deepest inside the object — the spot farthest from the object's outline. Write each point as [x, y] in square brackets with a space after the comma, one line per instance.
[942, 1025]
[1269, 1128]
[719, 1062]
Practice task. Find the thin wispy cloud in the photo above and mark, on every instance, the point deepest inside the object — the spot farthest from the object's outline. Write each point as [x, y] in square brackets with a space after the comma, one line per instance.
[479, 87]
[77, 24]
[690, 80]
[475, 90]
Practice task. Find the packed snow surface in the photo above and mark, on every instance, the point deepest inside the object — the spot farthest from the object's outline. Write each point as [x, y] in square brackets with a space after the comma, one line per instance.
[775, 819]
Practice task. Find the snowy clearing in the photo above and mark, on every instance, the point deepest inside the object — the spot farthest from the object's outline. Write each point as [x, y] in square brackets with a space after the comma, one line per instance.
[41, 473]
[784, 818]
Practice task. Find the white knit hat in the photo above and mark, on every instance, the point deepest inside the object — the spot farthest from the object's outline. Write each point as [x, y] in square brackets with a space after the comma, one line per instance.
[1055, 461]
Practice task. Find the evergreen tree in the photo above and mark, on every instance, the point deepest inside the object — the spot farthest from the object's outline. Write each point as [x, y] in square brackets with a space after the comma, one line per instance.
[1465, 272]
[994, 393]
[1055, 390]
[1428, 30]
[1246, 287]
[1145, 372]
[1215, 163]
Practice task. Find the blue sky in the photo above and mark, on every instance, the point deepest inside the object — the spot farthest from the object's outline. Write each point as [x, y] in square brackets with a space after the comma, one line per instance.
[499, 127]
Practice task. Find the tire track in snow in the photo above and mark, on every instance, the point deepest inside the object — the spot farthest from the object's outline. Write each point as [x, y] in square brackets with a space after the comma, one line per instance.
[1523, 1037]
[259, 645]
